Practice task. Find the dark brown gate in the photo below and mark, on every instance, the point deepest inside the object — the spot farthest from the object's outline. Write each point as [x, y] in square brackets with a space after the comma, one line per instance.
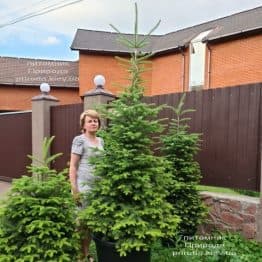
[64, 126]
[16, 144]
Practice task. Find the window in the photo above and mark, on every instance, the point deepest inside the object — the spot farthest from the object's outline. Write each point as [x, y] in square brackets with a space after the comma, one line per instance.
[197, 61]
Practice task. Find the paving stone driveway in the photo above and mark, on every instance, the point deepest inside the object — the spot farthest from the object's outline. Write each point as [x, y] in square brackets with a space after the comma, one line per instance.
[4, 187]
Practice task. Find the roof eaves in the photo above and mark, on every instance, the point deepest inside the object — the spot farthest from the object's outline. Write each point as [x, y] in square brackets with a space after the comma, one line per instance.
[171, 49]
[7, 83]
[155, 52]
[209, 39]
[36, 85]
[72, 46]
[101, 50]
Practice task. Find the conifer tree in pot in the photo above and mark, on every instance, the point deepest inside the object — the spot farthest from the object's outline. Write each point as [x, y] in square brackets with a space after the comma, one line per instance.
[127, 205]
[180, 148]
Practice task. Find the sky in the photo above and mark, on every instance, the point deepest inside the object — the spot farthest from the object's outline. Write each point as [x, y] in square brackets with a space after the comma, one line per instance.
[50, 35]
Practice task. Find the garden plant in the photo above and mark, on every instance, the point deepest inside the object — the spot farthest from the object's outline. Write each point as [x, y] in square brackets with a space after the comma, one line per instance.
[37, 223]
[128, 204]
[180, 148]
[217, 247]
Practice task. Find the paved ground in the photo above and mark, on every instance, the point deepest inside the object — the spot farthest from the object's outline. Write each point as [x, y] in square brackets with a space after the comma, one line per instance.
[4, 187]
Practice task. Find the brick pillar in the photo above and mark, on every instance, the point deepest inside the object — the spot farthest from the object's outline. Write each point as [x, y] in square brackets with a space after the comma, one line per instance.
[41, 121]
[97, 96]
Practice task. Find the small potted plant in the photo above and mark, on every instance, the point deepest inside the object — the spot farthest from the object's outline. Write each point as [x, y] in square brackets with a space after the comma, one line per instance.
[127, 210]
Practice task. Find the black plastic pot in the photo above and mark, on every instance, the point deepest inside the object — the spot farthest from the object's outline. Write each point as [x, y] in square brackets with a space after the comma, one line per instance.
[106, 252]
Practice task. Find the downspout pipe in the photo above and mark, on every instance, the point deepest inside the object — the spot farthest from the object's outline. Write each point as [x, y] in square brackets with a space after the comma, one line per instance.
[208, 65]
[181, 49]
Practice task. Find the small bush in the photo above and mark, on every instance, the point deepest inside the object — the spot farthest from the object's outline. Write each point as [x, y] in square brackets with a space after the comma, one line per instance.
[37, 222]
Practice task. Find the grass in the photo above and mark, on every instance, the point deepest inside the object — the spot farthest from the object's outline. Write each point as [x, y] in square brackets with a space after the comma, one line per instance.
[228, 190]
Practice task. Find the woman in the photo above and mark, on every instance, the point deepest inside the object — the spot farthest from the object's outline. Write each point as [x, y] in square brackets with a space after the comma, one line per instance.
[80, 170]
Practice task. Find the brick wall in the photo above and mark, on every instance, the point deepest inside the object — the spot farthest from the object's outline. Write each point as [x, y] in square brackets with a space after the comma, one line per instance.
[231, 213]
[169, 74]
[236, 62]
[232, 63]
[19, 98]
[115, 74]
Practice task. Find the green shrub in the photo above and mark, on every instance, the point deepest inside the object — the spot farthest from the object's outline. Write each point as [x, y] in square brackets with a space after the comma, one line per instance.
[38, 219]
[180, 148]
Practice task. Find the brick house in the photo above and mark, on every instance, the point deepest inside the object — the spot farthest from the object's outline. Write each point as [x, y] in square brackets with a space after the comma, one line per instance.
[220, 53]
[20, 79]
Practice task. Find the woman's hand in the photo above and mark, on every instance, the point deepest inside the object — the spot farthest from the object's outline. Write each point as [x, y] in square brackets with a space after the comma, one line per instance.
[74, 161]
[76, 196]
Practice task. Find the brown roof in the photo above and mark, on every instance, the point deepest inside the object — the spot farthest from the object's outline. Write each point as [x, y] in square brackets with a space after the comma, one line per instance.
[33, 72]
[243, 22]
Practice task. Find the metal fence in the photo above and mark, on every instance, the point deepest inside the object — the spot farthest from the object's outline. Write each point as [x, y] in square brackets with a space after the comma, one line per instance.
[16, 144]
[64, 126]
[229, 120]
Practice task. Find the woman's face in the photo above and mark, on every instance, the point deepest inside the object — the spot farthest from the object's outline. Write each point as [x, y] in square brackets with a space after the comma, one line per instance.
[91, 124]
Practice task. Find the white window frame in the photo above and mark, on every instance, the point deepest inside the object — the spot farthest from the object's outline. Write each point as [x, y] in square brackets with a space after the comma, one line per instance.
[197, 59]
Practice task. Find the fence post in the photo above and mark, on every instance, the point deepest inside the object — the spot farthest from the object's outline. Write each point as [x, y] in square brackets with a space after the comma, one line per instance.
[41, 119]
[98, 96]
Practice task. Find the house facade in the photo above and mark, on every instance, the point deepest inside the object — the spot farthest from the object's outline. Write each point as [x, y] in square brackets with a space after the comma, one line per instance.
[220, 53]
[20, 79]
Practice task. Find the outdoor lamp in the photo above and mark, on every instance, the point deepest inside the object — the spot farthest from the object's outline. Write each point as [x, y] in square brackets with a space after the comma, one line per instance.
[45, 88]
[99, 81]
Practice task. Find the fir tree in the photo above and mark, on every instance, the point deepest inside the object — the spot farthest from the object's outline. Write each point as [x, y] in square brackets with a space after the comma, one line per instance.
[180, 148]
[37, 223]
[127, 204]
